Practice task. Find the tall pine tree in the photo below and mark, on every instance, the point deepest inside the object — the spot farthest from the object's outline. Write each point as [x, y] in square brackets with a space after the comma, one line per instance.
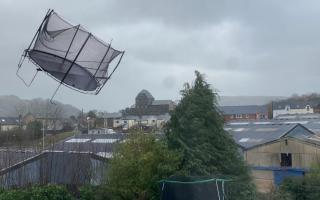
[196, 130]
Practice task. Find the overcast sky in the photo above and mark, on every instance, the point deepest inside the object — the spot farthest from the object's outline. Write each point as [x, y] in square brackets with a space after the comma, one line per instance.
[243, 47]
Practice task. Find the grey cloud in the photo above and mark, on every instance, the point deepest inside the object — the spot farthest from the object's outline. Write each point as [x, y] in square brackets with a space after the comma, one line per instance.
[245, 47]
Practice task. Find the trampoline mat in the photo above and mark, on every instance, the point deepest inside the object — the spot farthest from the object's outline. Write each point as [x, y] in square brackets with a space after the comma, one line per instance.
[78, 77]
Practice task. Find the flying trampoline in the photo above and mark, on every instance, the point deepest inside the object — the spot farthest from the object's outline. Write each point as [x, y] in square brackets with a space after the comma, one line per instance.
[71, 55]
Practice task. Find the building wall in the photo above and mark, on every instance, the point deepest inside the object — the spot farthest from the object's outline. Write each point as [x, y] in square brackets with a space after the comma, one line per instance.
[303, 154]
[251, 116]
[269, 156]
[239, 116]
[8, 127]
[277, 112]
[263, 179]
[127, 123]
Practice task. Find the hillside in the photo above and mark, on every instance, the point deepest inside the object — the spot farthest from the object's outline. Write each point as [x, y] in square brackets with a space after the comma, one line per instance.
[12, 106]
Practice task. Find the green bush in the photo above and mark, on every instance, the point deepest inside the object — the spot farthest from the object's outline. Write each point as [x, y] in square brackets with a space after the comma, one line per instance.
[34, 128]
[49, 192]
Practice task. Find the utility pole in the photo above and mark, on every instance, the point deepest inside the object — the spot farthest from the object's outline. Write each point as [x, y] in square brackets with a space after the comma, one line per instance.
[43, 135]
[88, 118]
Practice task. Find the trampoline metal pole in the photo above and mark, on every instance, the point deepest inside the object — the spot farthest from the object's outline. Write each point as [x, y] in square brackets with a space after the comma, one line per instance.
[66, 74]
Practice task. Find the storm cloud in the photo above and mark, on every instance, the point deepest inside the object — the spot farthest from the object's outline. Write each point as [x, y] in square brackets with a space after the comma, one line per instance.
[244, 47]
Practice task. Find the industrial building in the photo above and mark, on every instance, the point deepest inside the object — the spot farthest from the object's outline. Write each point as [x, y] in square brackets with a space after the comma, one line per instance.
[78, 160]
[276, 149]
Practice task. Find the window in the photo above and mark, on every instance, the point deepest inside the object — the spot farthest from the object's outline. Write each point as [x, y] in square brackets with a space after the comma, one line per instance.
[117, 122]
[286, 160]
[308, 107]
[287, 108]
[238, 116]
[247, 116]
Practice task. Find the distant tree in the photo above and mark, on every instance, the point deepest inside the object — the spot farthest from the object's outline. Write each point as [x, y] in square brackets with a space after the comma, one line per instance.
[196, 129]
[137, 166]
[91, 114]
[91, 118]
[99, 122]
[34, 128]
[73, 118]
[270, 110]
[21, 109]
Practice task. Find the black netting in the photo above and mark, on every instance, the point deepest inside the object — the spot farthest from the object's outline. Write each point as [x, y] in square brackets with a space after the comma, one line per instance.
[186, 188]
[72, 55]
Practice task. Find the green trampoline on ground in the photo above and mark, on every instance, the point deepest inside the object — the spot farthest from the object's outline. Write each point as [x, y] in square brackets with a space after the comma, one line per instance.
[193, 188]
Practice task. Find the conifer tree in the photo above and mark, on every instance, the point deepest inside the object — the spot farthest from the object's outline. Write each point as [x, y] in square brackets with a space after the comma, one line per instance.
[196, 130]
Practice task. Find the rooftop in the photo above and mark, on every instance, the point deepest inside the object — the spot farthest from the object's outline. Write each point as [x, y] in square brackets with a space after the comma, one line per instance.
[294, 104]
[250, 109]
[254, 133]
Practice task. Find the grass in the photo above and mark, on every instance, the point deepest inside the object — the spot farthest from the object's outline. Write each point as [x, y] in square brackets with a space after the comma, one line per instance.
[36, 143]
[55, 138]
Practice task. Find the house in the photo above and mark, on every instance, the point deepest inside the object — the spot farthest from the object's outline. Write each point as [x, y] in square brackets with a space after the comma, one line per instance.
[293, 107]
[146, 112]
[28, 118]
[101, 131]
[145, 104]
[110, 118]
[10, 123]
[51, 124]
[277, 149]
[251, 112]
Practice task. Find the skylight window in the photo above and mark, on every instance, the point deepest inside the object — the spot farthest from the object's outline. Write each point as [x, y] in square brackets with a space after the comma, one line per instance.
[76, 140]
[105, 154]
[239, 123]
[239, 129]
[244, 140]
[104, 140]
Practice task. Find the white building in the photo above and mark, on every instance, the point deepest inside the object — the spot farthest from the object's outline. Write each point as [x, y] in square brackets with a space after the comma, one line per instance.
[292, 108]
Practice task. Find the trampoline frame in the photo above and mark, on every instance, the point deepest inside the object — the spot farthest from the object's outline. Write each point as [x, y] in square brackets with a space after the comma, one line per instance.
[61, 82]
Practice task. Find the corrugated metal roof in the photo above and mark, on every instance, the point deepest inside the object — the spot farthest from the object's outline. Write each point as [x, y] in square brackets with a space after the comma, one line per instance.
[162, 102]
[251, 134]
[90, 143]
[294, 104]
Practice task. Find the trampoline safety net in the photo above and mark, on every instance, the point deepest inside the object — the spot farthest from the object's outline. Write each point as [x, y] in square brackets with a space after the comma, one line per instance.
[187, 188]
[72, 55]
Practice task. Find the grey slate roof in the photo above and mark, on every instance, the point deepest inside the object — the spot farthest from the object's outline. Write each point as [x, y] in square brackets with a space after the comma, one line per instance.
[113, 115]
[250, 109]
[254, 133]
[9, 120]
[294, 104]
[162, 102]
